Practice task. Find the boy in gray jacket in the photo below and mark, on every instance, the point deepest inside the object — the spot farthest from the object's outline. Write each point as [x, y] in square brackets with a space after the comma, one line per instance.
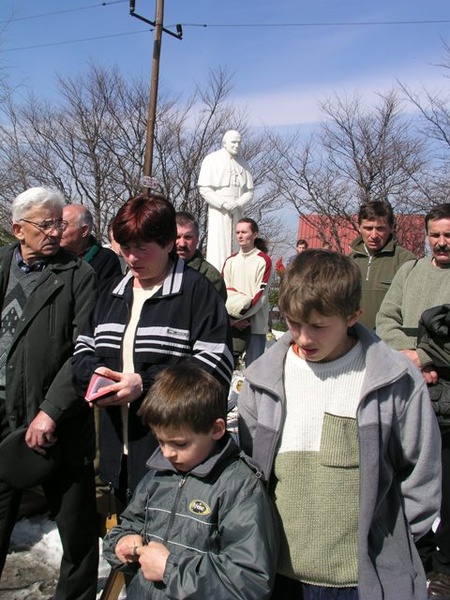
[200, 523]
[342, 427]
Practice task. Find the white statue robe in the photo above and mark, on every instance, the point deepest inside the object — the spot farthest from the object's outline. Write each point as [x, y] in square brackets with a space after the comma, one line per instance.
[223, 179]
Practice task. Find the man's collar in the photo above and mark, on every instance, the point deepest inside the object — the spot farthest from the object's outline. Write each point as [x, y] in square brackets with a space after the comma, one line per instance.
[37, 265]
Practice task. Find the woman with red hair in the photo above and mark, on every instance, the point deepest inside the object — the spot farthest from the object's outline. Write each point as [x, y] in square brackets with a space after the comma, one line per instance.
[160, 313]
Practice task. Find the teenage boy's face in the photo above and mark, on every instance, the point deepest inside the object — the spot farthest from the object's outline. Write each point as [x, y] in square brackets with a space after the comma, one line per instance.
[322, 338]
[186, 449]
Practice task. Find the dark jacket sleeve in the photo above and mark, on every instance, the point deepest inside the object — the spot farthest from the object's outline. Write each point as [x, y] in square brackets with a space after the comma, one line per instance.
[107, 266]
[61, 396]
[211, 334]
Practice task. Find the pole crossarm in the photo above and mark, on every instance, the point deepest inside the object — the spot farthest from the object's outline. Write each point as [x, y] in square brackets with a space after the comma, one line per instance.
[148, 181]
[178, 34]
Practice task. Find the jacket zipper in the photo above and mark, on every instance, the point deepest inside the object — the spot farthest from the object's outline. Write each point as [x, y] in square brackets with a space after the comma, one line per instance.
[174, 506]
[368, 267]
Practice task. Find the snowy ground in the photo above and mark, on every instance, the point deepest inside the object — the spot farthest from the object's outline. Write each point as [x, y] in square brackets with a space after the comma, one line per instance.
[31, 569]
[32, 566]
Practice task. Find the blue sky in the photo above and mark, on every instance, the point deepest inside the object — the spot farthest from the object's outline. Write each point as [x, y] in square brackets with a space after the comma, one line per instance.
[285, 55]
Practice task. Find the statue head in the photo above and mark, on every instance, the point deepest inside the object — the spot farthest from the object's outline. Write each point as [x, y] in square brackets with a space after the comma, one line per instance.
[231, 141]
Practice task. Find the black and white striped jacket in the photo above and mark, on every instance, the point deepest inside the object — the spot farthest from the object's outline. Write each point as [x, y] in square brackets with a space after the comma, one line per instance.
[186, 318]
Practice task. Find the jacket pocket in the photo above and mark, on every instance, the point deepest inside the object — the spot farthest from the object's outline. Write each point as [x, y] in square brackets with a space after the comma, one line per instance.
[339, 445]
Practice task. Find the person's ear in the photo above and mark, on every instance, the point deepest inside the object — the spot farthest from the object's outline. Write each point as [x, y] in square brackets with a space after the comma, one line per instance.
[218, 429]
[17, 230]
[85, 231]
[351, 320]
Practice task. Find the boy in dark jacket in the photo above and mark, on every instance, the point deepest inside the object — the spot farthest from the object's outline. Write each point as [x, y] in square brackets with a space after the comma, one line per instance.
[200, 523]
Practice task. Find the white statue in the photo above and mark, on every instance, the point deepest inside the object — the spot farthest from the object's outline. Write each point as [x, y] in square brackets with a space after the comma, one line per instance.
[226, 184]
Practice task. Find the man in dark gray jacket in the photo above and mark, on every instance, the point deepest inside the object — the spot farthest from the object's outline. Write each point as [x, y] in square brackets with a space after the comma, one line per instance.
[46, 294]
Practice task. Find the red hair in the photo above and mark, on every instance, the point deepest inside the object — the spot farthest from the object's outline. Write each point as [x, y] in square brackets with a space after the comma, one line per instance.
[145, 219]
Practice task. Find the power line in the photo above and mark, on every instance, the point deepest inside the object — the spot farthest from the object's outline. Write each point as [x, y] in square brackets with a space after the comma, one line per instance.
[61, 12]
[76, 41]
[215, 25]
[323, 23]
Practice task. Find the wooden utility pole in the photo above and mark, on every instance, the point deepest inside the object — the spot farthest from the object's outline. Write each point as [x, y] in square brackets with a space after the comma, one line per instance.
[148, 181]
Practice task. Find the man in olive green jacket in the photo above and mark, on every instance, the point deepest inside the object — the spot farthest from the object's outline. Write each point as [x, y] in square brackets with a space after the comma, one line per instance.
[377, 255]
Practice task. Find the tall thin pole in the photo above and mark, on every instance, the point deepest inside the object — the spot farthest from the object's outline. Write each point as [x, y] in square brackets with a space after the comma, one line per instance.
[153, 98]
[147, 181]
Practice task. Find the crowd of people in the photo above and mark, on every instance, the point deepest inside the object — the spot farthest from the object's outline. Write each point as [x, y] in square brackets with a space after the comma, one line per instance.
[334, 487]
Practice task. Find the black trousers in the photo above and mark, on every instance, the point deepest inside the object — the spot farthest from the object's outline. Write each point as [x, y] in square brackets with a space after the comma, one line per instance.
[70, 494]
[289, 589]
[434, 548]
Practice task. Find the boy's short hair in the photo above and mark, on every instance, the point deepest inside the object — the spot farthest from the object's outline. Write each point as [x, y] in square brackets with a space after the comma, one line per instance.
[320, 280]
[184, 395]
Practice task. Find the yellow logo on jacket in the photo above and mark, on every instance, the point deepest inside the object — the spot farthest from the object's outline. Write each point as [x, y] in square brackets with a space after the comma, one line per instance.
[198, 507]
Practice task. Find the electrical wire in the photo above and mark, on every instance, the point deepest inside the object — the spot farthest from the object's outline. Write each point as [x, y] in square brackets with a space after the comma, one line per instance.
[61, 12]
[210, 25]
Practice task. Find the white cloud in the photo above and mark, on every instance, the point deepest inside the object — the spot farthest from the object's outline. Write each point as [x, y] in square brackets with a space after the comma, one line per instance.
[299, 105]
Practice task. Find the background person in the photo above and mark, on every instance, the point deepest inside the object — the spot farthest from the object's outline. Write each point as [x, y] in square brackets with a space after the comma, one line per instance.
[342, 427]
[186, 246]
[159, 314]
[377, 255]
[247, 275]
[115, 247]
[78, 239]
[300, 247]
[226, 184]
[419, 286]
[46, 295]
[220, 532]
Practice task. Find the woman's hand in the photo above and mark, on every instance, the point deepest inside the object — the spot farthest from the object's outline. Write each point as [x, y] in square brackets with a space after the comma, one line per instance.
[128, 387]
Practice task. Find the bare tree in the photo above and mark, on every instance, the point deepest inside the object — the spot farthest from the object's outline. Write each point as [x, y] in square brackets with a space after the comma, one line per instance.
[91, 143]
[433, 108]
[374, 149]
[358, 155]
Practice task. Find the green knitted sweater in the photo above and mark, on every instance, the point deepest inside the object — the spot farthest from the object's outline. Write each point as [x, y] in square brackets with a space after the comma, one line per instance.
[416, 287]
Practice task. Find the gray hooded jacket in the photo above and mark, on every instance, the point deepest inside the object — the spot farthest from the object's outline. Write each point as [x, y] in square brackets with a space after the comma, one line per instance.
[399, 458]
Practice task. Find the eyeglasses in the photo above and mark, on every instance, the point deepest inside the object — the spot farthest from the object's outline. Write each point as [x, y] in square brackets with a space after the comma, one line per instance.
[49, 225]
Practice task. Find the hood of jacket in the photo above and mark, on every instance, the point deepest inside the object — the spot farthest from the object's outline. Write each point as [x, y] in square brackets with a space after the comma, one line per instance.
[226, 451]
[390, 367]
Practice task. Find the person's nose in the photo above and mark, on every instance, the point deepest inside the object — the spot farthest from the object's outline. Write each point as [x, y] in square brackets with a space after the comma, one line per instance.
[132, 258]
[168, 452]
[303, 336]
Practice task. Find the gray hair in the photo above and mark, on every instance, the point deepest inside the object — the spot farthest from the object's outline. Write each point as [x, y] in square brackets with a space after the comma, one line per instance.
[35, 197]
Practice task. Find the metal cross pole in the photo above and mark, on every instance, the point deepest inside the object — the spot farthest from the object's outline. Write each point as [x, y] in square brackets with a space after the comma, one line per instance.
[147, 181]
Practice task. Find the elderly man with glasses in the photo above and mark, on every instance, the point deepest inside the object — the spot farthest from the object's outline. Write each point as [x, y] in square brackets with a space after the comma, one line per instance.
[46, 295]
